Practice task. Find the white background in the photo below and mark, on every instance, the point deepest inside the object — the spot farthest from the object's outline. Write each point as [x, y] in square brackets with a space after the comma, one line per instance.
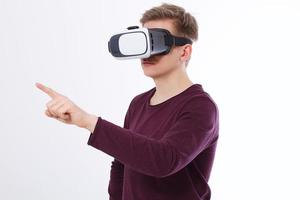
[246, 58]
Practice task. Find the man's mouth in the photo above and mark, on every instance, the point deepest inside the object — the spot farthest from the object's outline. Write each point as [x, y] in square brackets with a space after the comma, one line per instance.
[149, 62]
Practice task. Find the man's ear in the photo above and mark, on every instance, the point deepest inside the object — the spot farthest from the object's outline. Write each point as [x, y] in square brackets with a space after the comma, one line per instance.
[186, 52]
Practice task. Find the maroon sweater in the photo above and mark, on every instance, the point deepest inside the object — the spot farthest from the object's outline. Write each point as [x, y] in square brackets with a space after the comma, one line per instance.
[165, 151]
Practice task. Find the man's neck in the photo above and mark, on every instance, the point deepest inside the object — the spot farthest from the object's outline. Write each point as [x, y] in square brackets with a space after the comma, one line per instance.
[171, 85]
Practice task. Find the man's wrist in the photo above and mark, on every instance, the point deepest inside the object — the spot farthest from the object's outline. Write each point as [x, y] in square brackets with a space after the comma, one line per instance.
[91, 122]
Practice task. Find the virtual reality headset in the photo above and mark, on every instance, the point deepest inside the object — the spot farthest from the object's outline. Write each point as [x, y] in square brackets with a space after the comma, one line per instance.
[138, 42]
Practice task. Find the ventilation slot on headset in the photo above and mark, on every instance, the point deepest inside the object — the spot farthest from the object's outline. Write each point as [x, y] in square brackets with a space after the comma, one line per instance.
[152, 42]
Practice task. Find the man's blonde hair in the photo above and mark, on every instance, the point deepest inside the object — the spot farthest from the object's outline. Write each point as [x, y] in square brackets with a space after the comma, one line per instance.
[184, 23]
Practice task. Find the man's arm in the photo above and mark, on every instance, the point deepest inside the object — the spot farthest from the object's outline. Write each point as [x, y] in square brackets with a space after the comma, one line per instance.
[194, 130]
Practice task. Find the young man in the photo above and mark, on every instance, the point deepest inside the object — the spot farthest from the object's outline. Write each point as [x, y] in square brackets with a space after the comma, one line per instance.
[166, 149]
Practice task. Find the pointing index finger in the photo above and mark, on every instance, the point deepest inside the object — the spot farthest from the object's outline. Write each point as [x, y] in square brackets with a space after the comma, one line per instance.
[47, 90]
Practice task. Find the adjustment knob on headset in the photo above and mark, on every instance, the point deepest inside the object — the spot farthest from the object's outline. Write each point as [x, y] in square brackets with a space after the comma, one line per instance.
[132, 27]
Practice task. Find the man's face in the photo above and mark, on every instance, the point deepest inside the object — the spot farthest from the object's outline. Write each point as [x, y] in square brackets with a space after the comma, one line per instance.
[160, 65]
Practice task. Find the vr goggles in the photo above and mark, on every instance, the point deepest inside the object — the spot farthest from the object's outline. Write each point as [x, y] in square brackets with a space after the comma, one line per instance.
[138, 42]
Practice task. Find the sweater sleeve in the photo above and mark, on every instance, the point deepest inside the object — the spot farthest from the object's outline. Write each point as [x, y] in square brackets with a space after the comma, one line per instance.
[115, 187]
[190, 135]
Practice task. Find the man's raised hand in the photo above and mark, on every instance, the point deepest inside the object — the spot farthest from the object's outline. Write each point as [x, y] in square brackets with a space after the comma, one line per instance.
[63, 109]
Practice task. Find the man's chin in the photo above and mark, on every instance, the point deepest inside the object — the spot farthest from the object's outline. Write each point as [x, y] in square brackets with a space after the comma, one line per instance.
[151, 73]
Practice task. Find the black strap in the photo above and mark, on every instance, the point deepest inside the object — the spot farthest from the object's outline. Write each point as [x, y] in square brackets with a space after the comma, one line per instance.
[180, 41]
[177, 41]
